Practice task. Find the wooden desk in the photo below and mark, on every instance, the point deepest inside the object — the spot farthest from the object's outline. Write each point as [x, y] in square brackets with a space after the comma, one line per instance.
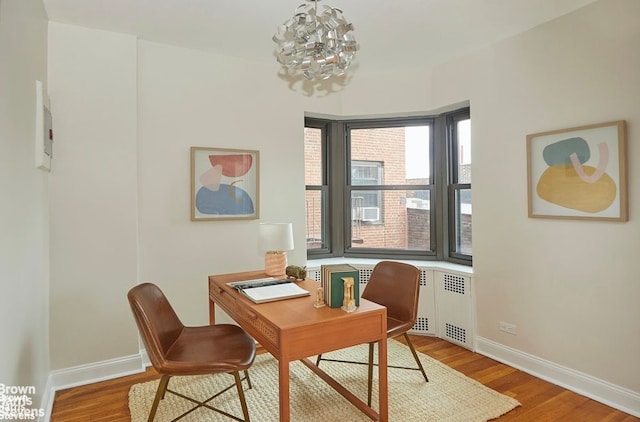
[293, 329]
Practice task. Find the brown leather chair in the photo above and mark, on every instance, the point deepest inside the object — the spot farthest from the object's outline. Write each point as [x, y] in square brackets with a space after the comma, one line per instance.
[396, 286]
[178, 350]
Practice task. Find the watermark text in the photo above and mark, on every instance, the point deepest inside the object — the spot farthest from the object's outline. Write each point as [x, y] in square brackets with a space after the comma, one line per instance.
[16, 403]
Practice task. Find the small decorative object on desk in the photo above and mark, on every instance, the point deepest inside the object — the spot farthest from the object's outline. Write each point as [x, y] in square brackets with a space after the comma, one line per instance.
[349, 301]
[332, 281]
[295, 272]
[319, 298]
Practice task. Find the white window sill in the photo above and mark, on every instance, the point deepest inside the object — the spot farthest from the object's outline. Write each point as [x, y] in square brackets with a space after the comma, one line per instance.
[423, 265]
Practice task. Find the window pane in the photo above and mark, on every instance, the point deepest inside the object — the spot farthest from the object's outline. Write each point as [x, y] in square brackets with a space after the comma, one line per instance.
[314, 205]
[463, 221]
[463, 130]
[313, 156]
[400, 221]
[315, 199]
[401, 153]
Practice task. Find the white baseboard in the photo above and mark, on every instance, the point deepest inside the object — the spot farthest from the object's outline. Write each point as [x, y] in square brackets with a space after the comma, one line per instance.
[46, 402]
[612, 395]
[89, 374]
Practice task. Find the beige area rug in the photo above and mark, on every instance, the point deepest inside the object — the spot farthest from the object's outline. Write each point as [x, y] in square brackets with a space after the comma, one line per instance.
[448, 396]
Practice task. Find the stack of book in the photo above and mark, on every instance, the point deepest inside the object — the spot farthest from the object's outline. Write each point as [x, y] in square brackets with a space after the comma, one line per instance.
[331, 279]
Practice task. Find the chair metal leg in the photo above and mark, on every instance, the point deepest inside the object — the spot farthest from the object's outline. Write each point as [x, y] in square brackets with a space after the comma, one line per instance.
[371, 364]
[246, 375]
[370, 377]
[415, 356]
[162, 388]
[243, 402]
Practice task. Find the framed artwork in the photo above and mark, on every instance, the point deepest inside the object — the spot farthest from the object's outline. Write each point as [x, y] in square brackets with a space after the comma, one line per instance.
[224, 184]
[578, 173]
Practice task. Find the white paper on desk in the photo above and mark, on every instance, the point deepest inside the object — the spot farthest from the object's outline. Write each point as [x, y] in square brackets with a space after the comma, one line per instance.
[275, 292]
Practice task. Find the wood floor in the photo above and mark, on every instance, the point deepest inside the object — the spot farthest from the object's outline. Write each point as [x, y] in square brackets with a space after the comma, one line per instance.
[541, 401]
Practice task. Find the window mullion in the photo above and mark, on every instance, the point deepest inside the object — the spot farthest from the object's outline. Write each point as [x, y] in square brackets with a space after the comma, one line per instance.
[439, 219]
[337, 152]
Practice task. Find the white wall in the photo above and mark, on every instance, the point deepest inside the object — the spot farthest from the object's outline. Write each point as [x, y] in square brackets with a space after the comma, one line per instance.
[189, 98]
[571, 287]
[120, 196]
[24, 208]
[567, 285]
[94, 256]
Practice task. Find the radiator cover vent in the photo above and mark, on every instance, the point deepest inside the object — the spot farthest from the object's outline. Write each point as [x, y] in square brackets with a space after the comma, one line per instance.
[423, 278]
[456, 333]
[314, 274]
[454, 283]
[365, 274]
[422, 324]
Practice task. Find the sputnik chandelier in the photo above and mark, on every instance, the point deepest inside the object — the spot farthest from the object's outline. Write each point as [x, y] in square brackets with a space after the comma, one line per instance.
[317, 45]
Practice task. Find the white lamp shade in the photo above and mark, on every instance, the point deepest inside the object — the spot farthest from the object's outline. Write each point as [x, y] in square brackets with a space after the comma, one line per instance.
[275, 237]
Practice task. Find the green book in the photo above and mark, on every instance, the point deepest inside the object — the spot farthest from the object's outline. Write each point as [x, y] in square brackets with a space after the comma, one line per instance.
[333, 285]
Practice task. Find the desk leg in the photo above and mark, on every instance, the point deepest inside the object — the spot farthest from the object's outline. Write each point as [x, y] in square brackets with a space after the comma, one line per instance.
[212, 312]
[283, 380]
[383, 386]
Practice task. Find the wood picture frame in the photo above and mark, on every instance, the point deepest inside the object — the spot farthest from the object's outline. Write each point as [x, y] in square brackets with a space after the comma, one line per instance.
[224, 184]
[578, 173]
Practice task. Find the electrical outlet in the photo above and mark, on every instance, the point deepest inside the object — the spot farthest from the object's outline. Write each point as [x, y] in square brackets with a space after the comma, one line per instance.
[507, 328]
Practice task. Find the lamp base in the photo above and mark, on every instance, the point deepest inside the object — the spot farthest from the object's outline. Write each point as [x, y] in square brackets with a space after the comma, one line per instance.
[275, 263]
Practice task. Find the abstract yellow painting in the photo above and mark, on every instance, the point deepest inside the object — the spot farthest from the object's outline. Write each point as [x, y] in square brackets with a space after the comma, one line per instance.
[578, 173]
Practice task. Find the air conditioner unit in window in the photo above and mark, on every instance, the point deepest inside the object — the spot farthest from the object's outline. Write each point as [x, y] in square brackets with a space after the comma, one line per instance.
[370, 213]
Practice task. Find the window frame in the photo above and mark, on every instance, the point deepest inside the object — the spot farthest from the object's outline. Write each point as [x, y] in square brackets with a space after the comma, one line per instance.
[323, 188]
[337, 225]
[359, 252]
[454, 186]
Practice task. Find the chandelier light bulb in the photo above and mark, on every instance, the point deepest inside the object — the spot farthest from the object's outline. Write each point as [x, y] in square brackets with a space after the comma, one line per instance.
[317, 45]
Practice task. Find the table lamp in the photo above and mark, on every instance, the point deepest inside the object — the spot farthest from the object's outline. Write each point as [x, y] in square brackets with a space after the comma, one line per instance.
[275, 240]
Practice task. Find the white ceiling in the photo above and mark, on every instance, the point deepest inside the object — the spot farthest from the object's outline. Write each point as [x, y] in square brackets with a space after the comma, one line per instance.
[391, 33]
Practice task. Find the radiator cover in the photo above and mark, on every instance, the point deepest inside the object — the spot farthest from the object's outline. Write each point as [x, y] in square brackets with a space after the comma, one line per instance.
[445, 308]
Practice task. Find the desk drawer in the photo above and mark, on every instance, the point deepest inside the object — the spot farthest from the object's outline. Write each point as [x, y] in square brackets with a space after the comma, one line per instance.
[267, 331]
[224, 300]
